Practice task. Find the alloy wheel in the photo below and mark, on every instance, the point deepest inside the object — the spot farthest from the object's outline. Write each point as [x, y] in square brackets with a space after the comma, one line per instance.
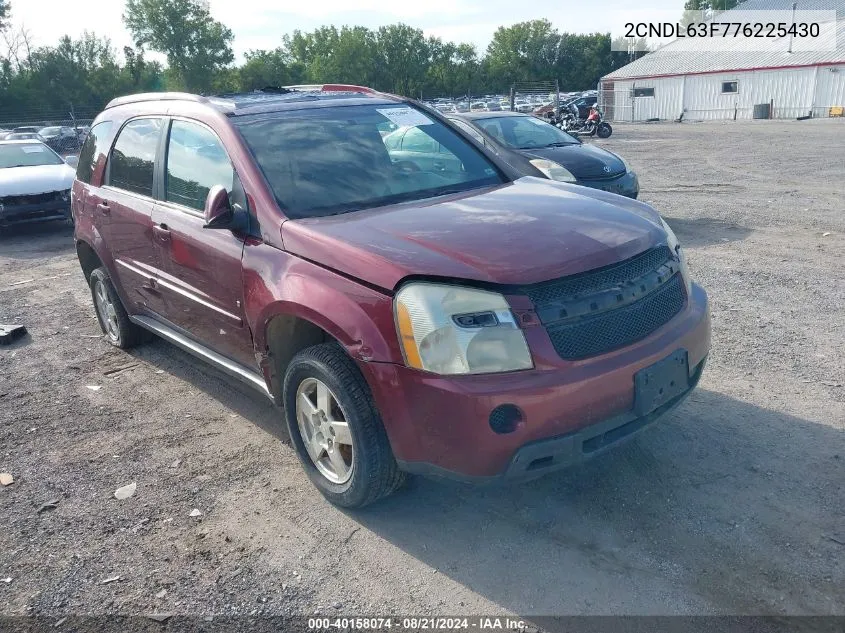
[105, 307]
[325, 431]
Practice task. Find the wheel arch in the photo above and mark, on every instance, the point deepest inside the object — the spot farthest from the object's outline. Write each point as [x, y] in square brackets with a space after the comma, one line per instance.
[285, 334]
[89, 260]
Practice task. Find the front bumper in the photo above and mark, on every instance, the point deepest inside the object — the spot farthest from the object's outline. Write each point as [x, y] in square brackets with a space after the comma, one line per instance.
[625, 185]
[570, 409]
[39, 212]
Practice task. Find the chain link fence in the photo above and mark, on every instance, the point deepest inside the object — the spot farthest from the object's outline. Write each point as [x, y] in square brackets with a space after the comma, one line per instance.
[64, 132]
[539, 97]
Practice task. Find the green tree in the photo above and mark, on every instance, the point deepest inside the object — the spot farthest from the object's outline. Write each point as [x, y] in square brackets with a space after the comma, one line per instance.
[5, 9]
[403, 58]
[709, 7]
[263, 69]
[527, 51]
[196, 45]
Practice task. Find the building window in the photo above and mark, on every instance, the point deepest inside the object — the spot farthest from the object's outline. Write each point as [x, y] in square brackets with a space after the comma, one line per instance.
[643, 92]
[730, 87]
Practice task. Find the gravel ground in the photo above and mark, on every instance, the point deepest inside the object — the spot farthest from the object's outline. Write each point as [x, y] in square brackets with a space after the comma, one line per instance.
[733, 504]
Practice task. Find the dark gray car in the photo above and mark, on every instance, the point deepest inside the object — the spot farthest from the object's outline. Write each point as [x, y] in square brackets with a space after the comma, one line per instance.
[530, 144]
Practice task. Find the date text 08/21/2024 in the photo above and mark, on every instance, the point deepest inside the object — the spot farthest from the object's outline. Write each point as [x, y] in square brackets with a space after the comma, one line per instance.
[417, 624]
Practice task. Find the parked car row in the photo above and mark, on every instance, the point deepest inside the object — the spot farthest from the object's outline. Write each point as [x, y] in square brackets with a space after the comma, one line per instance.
[419, 294]
[539, 105]
[60, 138]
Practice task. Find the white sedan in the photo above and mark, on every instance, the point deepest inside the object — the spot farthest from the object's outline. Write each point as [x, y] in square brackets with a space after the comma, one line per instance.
[35, 183]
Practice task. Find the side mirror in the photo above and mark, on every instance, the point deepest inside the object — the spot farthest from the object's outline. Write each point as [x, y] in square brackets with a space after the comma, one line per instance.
[218, 213]
[72, 161]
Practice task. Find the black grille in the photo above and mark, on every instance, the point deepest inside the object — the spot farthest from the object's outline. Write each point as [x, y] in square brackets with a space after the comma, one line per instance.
[592, 281]
[617, 328]
[39, 198]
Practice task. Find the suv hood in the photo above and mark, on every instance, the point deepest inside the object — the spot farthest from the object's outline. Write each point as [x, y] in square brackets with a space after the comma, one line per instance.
[522, 232]
[586, 162]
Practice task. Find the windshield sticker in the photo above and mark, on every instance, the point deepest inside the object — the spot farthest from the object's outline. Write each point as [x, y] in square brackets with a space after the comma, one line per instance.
[405, 116]
[32, 149]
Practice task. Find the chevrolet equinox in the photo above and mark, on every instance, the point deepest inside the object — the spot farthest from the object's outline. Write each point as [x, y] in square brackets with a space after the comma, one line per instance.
[411, 312]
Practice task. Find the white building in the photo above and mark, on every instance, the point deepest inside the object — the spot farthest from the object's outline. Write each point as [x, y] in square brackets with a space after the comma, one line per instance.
[724, 78]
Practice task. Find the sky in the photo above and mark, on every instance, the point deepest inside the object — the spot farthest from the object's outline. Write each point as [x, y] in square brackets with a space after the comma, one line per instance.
[260, 24]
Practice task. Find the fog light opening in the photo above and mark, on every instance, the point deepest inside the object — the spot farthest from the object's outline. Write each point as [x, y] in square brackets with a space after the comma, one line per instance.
[505, 418]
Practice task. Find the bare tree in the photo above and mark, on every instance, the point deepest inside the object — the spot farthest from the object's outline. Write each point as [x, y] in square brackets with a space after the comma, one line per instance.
[18, 44]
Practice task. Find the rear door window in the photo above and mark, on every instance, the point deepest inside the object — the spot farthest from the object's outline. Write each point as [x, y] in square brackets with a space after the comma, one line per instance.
[196, 161]
[132, 159]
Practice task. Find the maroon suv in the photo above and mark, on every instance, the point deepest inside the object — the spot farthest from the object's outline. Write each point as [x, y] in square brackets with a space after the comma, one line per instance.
[425, 312]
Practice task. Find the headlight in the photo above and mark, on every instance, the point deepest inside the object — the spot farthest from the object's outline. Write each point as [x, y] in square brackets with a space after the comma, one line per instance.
[673, 243]
[453, 330]
[553, 170]
[65, 195]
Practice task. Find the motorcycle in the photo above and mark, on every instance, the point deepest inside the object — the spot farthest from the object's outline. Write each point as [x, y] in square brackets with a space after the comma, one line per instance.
[593, 125]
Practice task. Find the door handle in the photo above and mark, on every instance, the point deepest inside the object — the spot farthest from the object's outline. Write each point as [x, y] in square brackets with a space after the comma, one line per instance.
[161, 232]
[104, 208]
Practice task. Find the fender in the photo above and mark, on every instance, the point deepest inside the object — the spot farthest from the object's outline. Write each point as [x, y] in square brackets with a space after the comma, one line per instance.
[357, 316]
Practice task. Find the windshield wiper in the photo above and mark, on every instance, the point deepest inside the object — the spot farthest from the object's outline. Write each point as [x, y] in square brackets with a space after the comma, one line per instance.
[397, 198]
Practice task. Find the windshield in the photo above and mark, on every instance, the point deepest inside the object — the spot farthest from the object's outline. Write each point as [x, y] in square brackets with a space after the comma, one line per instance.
[27, 155]
[524, 132]
[325, 161]
[50, 131]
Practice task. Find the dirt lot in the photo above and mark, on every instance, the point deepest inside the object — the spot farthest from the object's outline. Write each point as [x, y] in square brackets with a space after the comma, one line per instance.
[733, 504]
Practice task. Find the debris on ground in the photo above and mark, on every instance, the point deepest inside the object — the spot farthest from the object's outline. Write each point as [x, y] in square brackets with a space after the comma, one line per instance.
[160, 617]
[109, 580]
[10, 333]
[6, 479]
[94, 387]
[196, 512]
[52, 504]
[124, 492]
[117, 370]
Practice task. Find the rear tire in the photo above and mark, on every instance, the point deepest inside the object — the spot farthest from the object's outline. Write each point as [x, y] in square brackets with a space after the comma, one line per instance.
[114, 321]
[323, 392]
[604, 130]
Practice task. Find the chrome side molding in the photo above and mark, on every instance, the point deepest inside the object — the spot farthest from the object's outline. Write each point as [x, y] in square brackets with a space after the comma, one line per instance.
[227, 366]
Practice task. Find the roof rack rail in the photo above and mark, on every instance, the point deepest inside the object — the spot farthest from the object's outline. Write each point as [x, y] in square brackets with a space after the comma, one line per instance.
[331, 88]
[155, 96]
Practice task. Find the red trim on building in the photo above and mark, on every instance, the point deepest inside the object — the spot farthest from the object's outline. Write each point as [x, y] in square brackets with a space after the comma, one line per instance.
[728, 70]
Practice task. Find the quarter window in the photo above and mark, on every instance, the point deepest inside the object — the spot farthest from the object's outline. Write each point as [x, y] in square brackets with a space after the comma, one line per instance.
[196, 161]
[92, 149]
[466, 127]
[730, 87]
[132, 160]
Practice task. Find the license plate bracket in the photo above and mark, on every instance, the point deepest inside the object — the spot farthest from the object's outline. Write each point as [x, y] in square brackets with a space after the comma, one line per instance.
[661, 382]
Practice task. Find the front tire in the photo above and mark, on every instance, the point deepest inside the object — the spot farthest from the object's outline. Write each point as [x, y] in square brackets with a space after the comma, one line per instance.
[604, 130]
[336, 429]
[111, 314]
